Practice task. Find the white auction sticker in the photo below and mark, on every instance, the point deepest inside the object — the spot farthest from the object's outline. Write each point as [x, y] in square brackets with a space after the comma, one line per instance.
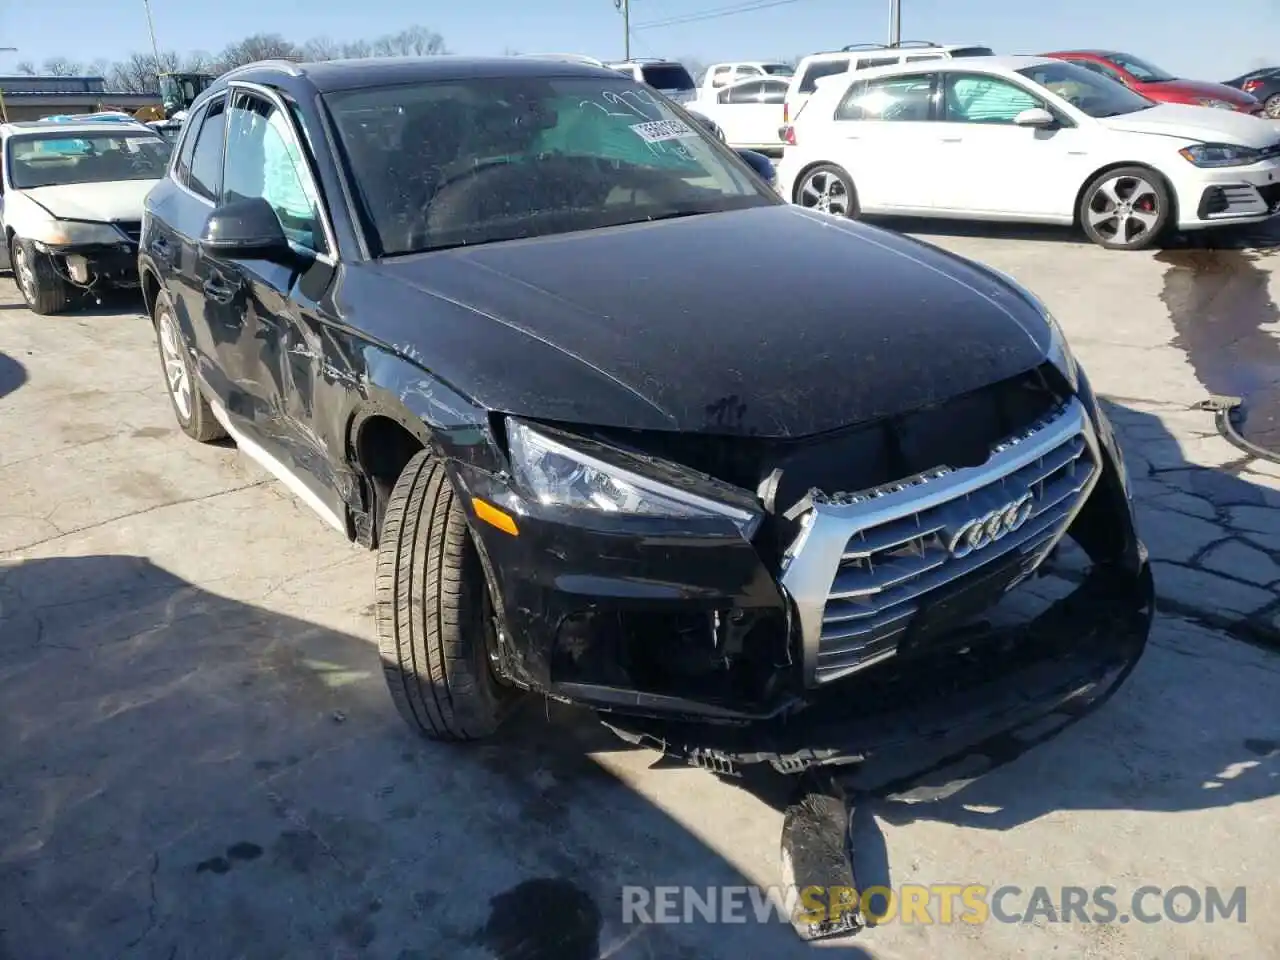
[656, 131]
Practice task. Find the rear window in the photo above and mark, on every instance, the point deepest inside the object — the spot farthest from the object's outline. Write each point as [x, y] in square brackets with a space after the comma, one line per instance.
[667, 76]
[779, 69]
[973, 52]
[816, 71]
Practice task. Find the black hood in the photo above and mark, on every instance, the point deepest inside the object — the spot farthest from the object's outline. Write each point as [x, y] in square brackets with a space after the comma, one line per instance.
[772, 321]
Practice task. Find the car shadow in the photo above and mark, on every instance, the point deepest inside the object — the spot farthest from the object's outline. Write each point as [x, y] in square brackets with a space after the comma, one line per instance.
[1252, 237]
[12, 375]
[1194, 728]
[189, 775]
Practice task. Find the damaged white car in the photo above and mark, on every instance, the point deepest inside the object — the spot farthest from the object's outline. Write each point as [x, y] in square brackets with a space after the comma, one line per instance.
[71, 206]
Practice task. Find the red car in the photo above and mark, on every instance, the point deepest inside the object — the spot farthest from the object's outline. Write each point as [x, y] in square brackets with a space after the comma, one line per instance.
[1156, 84]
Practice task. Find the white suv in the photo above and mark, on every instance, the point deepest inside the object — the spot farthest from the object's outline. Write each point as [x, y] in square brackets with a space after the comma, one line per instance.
[860, 56]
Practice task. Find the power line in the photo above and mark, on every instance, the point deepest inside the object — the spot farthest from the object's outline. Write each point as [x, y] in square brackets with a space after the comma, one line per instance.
[713, 14]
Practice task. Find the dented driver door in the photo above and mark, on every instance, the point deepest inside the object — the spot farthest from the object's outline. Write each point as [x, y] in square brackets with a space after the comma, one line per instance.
[276, 348]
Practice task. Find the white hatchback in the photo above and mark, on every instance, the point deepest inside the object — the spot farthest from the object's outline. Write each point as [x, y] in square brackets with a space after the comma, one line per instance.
[1028, 139]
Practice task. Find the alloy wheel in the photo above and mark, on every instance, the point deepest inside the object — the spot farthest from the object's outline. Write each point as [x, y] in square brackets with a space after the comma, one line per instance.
[827, 193]
[1271, 106]
[1124, 210]
[175, 366]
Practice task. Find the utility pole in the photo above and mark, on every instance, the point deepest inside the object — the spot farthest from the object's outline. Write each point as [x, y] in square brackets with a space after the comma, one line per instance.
[625, 7]
[895, 22]
[151, 27]
[4, 112]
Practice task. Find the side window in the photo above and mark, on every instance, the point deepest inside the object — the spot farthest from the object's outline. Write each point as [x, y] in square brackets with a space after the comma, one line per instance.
[744, 93]
[924, 56]
[721, 76]
[1099, 69]
[904, 99]
[182, 165]
[264, 159]
[816, 71]
[970, 98]
[867, 63]
[747, 70]
[206, 160]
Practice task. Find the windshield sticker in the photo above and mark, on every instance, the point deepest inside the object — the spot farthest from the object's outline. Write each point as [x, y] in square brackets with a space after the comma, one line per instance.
[656, 133]
[659, 131]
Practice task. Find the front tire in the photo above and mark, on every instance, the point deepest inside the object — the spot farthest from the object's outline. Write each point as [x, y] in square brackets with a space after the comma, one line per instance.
[434, 611]
[1126, 209]
[828, 189]
[44, 290]
[190, 408]
[1271, 106]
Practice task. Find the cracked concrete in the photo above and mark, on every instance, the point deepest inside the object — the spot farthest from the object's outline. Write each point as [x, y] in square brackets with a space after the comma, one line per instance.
[200, 759]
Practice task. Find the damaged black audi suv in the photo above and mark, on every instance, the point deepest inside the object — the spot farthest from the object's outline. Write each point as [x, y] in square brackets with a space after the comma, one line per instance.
[626, 430]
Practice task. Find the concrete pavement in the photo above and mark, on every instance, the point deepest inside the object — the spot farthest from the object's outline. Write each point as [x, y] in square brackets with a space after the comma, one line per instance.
[200, 759]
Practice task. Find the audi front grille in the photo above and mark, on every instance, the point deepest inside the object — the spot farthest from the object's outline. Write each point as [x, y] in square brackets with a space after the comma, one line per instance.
[864, 564]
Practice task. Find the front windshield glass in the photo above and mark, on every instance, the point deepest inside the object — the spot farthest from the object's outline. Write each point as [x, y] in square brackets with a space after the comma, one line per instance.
[59, 159]
[445, 164]
[1145, 72]
[779, 70]
[1089, 92]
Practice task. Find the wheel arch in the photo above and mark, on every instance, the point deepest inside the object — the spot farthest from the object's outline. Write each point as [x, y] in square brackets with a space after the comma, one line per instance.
[1107, 168]
[381, 440]
[150, 282]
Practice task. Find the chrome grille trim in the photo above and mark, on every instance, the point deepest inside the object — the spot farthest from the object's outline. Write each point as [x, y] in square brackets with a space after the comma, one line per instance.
[854, 599]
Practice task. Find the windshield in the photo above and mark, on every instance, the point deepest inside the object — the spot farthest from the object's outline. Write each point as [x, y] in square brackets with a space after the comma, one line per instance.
[1089, 92]
[779, 70]
[1145, 72]
[475, 161]
[54, 159]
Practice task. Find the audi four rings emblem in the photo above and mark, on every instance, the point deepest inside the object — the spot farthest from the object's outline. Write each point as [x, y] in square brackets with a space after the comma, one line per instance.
[992, 526]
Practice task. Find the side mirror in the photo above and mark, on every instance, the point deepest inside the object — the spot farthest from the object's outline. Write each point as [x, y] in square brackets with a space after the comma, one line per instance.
[760, 164]
[1035, 117]
[246, 230]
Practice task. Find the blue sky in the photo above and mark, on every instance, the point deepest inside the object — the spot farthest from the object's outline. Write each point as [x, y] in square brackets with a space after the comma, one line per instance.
[1176, 34]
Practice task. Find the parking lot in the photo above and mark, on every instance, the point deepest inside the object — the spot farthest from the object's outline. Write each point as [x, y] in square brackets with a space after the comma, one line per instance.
[201, 760]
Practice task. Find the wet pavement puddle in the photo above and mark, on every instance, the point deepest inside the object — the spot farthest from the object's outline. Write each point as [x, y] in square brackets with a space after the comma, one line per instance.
[1215, 289]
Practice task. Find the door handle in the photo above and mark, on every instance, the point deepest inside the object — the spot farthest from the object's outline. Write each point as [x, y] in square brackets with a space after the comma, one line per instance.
[220, 289]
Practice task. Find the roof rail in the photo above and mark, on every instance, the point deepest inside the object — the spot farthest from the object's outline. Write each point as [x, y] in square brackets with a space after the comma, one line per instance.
[567, 57]
[646, 60]
[277, 63]
[863, 46]
[913, 43]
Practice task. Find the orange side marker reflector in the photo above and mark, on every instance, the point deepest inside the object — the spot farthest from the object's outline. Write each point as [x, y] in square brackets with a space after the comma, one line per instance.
[495, 517]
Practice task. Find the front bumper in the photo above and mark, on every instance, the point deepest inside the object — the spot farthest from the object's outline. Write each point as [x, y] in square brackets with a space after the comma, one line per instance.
[868, 633]
[1221, 197]
[97, 264]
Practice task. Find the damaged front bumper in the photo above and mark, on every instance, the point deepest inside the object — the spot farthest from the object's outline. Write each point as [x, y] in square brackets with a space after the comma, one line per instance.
[925, 612]
[89, 266]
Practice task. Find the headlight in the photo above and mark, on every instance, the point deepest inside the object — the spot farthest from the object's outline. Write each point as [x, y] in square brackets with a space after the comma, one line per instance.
[556, 474]
[1216, 104]
[65, 233]
[1220, 155]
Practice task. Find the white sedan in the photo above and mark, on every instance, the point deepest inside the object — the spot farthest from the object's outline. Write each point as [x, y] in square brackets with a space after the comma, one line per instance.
[1028, 139]
[71, 205]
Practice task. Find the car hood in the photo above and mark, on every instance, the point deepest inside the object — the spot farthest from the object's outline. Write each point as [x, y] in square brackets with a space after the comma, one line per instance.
[1207, 124]
[1198, 88]
[773, 321]
[116, 200]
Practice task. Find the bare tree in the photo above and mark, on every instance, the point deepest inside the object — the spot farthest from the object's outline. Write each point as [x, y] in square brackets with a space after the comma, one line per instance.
[26, 67]
[412, 42]
[357, 49]
[200, 61]
[98, 68]
[260, 46]
[140, 73]
[61, 67]
[322, 48]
